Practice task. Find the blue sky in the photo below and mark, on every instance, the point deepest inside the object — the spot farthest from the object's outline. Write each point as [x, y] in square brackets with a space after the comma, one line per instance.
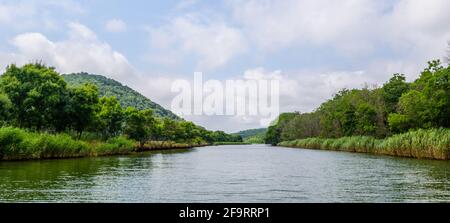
[316, 47]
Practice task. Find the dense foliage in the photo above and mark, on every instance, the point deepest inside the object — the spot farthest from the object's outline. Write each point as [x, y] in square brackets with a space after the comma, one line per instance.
[125, 95]
[36, 98]
[396, 107]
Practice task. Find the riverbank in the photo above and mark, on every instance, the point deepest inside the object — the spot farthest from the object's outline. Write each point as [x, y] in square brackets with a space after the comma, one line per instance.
[230, 143]
[423, 144]
[19, 144]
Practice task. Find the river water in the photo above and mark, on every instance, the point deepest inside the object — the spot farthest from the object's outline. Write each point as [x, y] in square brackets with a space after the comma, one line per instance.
[244, 173]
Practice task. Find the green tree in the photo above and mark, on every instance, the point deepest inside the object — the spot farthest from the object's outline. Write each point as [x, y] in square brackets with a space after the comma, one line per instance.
[436, 91]
[427, 104]
[338, 115]
[189, 131]
[366, 119]
[5, 109]
[302, 126]
[273, 135]
[37, 93]
[82, 105]
[393, 90]
[170, 130]
[139, 125]
[399, 123]
[110, 117]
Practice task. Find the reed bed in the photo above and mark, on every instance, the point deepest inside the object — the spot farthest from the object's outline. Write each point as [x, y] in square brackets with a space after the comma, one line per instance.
[422, 143]
[19, 144]
[159, 145]
[231, 143]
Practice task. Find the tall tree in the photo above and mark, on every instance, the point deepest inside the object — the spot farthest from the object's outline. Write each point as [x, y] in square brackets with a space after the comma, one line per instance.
[82, 105]
[427, 104]
[393, 90]
[37, 94]
[170, 130]
[273, 135]
[139, 125]
[5, 108]
[110, 117]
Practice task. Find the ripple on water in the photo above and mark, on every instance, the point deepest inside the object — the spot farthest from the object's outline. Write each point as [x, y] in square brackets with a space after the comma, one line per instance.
[251, 173]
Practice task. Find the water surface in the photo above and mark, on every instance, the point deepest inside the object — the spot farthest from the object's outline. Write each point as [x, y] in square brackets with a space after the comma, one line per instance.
[243, 173]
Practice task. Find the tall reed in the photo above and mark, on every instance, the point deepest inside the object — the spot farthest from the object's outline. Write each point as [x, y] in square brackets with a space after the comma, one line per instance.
[19, 144]
[422, 143]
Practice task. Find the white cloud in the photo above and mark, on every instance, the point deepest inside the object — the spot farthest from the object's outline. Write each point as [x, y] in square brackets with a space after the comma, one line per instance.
[213, 42]
[16, 14]
[79, 32]
[420, 28]
[68, 5]
[381, 37]
[82, 51]
[23, 15]
[115, 26]
[275, 24]
[260, 74]
[305, 90]
[300, 91]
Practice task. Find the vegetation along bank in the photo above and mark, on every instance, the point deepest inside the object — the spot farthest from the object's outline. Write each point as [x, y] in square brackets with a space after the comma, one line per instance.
[424, 144]
[400, 118]
[41, 116]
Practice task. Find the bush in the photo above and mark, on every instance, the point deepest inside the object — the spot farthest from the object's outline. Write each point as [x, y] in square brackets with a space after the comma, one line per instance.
[116, 145]
[16, 144]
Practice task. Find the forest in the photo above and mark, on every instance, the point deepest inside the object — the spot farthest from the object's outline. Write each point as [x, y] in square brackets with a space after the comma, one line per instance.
[42, 116]
[397, 107]
[126, 96]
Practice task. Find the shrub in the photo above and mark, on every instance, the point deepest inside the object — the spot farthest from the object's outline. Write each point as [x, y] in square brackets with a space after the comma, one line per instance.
[116, 145]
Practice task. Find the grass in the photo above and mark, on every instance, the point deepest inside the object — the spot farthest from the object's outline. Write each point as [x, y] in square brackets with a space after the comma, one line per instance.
[255, 140]
[427, 144]
[114, 146]
[155, 145]
[19, 144]
[16, 144]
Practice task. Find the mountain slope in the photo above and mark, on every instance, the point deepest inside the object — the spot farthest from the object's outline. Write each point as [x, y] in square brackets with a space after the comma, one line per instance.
[253, 135]
[125, 95]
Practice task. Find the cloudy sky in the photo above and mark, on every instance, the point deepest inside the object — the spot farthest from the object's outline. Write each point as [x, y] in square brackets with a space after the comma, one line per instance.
[315, 47]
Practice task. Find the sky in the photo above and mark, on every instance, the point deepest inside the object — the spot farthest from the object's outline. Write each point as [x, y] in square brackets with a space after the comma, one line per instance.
[314, 47]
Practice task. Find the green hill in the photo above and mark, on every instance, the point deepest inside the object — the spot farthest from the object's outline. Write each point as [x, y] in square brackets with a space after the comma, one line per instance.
[253, 135]
[125, 95]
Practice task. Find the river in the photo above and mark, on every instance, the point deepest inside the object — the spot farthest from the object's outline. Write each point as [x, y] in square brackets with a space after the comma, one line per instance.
[244, 173]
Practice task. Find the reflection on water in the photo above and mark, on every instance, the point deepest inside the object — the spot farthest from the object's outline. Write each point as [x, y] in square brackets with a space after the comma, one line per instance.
[251, 173]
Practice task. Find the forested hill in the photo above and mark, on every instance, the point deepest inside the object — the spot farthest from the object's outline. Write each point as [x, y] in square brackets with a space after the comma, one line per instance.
[252, 132]
[125, 95]
[253, 135]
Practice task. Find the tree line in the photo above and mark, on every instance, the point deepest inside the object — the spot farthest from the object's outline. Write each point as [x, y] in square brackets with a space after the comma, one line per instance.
[36, 97]
[396, 107]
